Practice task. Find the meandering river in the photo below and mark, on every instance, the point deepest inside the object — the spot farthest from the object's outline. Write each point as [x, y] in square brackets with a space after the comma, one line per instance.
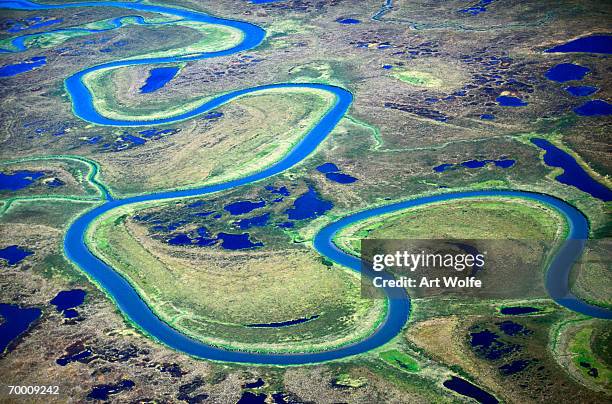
[139, 313]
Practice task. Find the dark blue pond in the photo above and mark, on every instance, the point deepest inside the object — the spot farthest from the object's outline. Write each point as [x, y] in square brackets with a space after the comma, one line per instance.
[204, 239]
[475, 163]
[14, 254]
[477, 8]
[241, 207]
[573, 173]
[333, 173]
[501, 163]
[22, 67]
[514, 367]
[341, 178]
[308, 206]
[483, 338]
[348, 21]
[180, 239]
[513, 329]
[33, 23]
[67, 300]
[158, 77]
[594, 108]
[254, 221]
[15, 321]
[587, 44]
[283, 323]
[157, 133]
[508, 101]
[504, 163]
[284, 191]
[581, 91]
[252, 398]
[443, 167]
[134, 139]
[518, 310]
[19, 179]
[71, 313]
[212, 115]
[487, 117]
[54, 183]
[566, 72]
[237, 241]
[104, 391]
[279, 398]
[487, 344]
[77, 357]
[328, 168]
[467, 389]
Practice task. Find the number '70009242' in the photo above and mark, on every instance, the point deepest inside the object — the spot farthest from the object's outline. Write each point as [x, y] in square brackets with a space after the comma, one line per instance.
[33, 390]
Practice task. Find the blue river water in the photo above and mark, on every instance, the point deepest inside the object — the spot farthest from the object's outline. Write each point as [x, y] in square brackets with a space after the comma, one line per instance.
[19, 42]
[136, 310]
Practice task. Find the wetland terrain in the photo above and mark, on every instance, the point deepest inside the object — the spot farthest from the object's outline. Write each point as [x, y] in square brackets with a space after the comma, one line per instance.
[185, 187]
